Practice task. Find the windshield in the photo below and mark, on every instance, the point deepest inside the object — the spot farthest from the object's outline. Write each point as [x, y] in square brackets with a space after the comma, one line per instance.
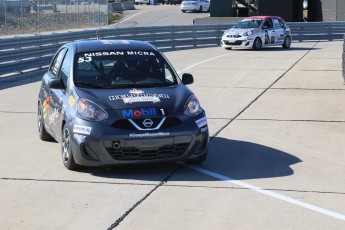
[122, 69]
[245, 24]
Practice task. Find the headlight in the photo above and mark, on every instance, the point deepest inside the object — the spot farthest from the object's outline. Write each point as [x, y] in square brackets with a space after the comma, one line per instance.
[89, 111]
[248, 33]
[192, 107]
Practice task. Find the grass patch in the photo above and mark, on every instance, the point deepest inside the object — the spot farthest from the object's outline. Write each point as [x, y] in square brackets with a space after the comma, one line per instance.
[113, 17]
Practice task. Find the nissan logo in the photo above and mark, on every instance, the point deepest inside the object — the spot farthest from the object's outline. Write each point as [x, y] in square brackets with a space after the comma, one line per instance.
[147, 123]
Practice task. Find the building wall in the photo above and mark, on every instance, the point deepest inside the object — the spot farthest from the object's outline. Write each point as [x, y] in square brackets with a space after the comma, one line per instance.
[326, 10]
[290, 10]
[329, 10]
[340, 10]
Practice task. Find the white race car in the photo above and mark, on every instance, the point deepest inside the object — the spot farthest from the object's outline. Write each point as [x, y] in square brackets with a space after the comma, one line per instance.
[256, 32]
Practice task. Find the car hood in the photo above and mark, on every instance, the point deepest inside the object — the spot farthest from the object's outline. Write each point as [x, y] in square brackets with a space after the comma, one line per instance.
[112, 99]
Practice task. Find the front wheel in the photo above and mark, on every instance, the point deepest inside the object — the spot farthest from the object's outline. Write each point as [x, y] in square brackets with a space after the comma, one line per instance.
[287, 42]
[257, 44]
[67, 156]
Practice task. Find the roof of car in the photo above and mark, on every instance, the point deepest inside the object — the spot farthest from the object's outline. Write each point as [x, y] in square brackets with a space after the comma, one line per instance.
[104, 45]
[262, 17]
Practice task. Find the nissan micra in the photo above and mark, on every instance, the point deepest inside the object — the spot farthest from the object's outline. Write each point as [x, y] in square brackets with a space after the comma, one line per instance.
[113, 102]
[257, 32]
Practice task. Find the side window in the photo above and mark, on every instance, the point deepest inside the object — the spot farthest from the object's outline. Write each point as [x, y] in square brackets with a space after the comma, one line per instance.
[268, 24]
[282, 24]
[54, 67]
[276, 24]
[66, 67]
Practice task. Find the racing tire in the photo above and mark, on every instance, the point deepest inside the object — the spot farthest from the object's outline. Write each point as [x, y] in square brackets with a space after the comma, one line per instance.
[287, 42]
[198, 160]
[183, 11]
[66, 151]
[228, 48]
[257, 44]
[42, 132]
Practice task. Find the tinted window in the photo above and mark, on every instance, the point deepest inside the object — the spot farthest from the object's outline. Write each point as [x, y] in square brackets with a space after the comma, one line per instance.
[268, 24]
[116, 69]
[54, 67]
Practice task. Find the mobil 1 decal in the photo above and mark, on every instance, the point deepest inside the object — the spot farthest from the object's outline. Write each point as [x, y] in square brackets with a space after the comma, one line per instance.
[143, 112]
[136, 95]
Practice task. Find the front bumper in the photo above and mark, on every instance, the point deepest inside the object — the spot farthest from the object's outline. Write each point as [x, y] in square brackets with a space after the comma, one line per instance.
[106, 145]
[241, 42]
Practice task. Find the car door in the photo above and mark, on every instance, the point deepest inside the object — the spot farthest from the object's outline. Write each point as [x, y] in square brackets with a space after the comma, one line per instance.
[58, 96]
[278, 27]
[47, 108]
[270, 33]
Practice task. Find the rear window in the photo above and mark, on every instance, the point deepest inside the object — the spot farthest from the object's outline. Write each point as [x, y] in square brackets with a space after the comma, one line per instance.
[122, 69]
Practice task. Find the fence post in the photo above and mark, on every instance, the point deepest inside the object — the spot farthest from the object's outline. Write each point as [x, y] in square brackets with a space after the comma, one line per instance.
[194, 35]
[330, 32]
[173, 36]
[344, 59]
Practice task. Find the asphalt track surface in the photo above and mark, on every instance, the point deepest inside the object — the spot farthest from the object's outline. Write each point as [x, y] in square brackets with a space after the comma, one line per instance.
[276, 157]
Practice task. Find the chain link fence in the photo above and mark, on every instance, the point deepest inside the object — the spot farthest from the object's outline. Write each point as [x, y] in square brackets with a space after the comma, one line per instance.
[37, 16]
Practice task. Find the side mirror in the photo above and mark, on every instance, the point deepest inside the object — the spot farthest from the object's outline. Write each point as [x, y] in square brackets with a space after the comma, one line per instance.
[56, 83]
[187, 78]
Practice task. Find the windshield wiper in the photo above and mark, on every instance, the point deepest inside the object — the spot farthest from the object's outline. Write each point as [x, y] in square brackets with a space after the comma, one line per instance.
[88, 84]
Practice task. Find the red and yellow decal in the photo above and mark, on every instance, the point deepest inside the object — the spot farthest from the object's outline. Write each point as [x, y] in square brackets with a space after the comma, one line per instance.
[46, 103]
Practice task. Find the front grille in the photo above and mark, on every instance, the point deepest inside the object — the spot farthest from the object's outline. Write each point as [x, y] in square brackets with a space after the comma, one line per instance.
[132, 153]
[233, 43]
[127, 125]
[233, 36]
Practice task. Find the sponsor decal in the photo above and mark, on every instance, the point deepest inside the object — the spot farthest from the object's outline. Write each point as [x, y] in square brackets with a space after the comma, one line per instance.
[52, 118]
[79, 138]
[159, 134]
[201, 122]
[136, 91]
[140, 53]
[71, 101]
[45, 105]
[130, 113]
[111, 42]
[139, 97]
[82, 129]
[203, 130]
[88, 56]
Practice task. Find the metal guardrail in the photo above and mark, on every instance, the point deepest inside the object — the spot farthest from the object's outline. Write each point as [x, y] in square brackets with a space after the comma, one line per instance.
[28, 56]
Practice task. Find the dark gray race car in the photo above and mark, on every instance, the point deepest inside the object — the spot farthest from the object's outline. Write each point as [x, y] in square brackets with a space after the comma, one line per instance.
[119, 102]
